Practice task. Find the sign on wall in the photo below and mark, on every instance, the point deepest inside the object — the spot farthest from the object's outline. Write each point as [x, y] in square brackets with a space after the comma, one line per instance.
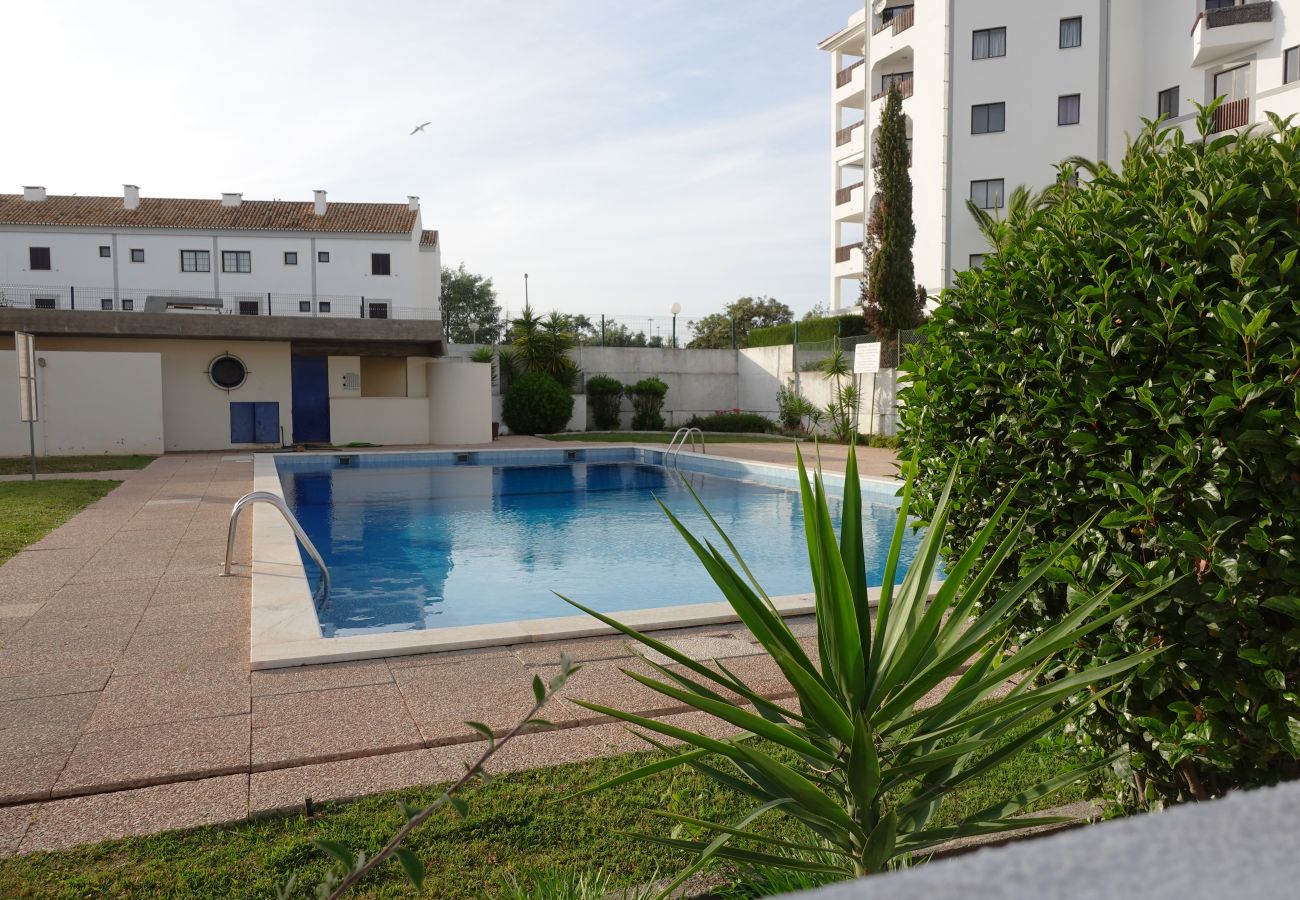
[866, 359]
[26, 346]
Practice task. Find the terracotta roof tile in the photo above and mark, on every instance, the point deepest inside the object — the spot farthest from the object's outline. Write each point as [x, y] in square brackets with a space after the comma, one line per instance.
[428, 238]
[251, 215]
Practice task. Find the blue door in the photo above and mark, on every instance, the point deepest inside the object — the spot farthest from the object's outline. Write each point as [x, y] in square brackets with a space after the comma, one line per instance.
[311, 399]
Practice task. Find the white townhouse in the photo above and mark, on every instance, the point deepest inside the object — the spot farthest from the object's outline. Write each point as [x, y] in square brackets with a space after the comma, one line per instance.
[258, 257]
[997, 92]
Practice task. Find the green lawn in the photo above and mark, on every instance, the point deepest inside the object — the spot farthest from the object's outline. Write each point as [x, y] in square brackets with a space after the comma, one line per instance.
[656, 437]
[22, 465]
[31, 509]
[515, 829]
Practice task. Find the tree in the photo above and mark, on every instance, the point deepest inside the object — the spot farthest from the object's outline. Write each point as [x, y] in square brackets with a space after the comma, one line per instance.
[889, 294]
[468, 298]
[714, 332]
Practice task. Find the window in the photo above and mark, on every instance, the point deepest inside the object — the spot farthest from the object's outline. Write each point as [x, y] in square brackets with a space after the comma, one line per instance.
[380, 264]
[893, 12]
[377, 310]
[1232, 84]
[323, 306]
[1167, 103]
[128, 304]
[45, 302]
[196, 261]
[290, 258]
[323, 256]
[894, 78]
[236, 261]
[227, 372]
[137, 255]
[976, 261]
[38, 258]
[988, 117]
[988, 43]
[1219, 4]
[250, 307]
[987, 194]
[1072, 32]
[105, 252]
[106, 303]
[1291, 65]
[1067, 109]
[304, 306]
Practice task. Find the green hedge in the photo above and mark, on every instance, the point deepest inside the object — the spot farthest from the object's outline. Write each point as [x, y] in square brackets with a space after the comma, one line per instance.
[734, 423]
[810, 330]
[536, 404]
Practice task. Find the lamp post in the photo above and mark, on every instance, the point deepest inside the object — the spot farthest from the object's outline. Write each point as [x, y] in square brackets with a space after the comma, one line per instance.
[473, 333]
[525, 289]
[675, 309]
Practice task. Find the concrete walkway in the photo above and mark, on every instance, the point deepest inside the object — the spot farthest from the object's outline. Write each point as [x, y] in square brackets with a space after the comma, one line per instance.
[110, 475]
[127, 707]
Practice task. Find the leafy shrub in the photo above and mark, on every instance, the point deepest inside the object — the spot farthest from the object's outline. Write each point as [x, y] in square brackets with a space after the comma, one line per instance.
[536, 404]
[734, 422]
[1133, 351]
[810, 330]
[858, 759]
[486, 355]
[647, 404]
[605, 394]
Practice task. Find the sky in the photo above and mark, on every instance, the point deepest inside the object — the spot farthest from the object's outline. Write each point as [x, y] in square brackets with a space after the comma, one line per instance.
[626, 154]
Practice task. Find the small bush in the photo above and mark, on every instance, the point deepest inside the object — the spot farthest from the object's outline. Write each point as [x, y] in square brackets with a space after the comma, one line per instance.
[647, 404]
[734, 422]
[605, 395]
[536, 404]
[810, 330]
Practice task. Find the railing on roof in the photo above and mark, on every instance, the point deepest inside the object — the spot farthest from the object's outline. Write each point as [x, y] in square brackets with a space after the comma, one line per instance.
[1233, 114]
[241, 303]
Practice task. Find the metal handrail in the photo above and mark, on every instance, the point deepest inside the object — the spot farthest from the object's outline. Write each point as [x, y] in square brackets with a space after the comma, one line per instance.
[685, 434]
[267, 497]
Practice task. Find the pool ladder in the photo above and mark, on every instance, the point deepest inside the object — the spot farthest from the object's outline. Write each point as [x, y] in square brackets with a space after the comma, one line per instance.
[267, 497]
[679, 440]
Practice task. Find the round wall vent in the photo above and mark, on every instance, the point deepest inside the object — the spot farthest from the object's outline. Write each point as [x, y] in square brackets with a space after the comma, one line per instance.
[227, 372]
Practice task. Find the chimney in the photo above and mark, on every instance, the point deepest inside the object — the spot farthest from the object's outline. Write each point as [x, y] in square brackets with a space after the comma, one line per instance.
[130, 196]
[412, 203]
[33, 193]
[232, 199]
[320, 203]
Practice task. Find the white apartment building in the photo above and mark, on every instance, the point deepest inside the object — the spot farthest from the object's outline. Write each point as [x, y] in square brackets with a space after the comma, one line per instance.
[256, 257]
[997, 92]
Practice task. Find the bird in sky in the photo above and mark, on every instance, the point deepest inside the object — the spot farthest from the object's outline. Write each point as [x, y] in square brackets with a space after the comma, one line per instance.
[419, 128]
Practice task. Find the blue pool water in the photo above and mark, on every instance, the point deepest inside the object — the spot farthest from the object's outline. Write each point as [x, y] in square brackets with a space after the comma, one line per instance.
[412, 547]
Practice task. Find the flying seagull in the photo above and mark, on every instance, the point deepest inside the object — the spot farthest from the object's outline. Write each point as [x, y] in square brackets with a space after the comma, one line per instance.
[419, 128]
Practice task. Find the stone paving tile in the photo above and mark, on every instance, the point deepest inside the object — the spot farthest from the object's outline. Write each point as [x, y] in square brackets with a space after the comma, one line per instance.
[210, 587]
[19, 610]
[73, 635]
[24, 778]
[418, 660]
[282, 790]
[66, 711]
[500, 694]
[46, 564]
[49, 684]
[547, 653]
[605, 683]
[204, 615]
[60, 824]
[156, 753]
[28, 588]
[9, 626]
[133, 700]
[535, 751]
[13, 825]
[115, 565]
[320, 677]
[15, 663]
[99, 600]
[157, 654]
[318, 726]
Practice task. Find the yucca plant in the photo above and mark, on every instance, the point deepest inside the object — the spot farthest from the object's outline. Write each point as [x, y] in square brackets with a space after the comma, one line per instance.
[857, 762]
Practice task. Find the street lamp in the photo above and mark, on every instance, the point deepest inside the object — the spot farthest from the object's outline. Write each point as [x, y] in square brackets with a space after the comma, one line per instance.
[675, 309]
[473, 333]
[525, 289]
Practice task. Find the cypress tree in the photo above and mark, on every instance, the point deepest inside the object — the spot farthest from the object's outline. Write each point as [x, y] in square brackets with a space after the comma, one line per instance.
[889, 295]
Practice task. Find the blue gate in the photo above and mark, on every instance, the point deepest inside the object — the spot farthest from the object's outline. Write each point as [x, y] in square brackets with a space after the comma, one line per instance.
[254, 423]
[311, 399]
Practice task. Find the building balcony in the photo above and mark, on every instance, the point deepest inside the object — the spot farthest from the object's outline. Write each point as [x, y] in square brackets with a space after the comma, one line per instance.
[1220, 34]
[897, 19]
[904, 88]
[848, 261]
[849, 203]
[851, 85]
[849, 142]
[1230, 115]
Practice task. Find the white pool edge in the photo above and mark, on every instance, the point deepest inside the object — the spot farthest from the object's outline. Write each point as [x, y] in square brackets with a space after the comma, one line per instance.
[285, 630]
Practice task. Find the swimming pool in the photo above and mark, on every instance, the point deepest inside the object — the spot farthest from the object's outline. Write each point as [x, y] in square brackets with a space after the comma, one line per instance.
[439, 540]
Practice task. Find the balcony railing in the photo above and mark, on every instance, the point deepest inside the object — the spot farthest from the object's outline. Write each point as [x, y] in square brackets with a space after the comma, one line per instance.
[844, 135]
[1233, 114]
[845, 253]
[904, 88]
[845, 194]
[230, 303]
[900, 18]
[845, 75]
[1239, 15]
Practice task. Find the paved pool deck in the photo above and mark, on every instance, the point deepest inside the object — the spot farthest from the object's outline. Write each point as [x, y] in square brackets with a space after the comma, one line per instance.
[127, 705]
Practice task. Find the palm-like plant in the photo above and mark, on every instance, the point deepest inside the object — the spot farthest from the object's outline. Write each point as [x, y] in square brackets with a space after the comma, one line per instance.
[541, 345]
[1022, 210]
[857, 762]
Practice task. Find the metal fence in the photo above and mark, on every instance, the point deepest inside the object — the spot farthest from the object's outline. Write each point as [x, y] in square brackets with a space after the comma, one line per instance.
[810, 356]
[241, 303]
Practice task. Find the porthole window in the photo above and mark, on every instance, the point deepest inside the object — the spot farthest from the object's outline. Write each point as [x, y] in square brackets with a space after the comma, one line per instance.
[227, 372]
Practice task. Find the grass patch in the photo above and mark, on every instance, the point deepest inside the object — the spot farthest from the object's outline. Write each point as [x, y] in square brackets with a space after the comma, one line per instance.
[29, 510]
[657, 437]
[515, 831]
[22, 465]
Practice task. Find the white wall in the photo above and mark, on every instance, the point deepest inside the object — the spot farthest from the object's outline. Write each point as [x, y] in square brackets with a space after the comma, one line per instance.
[379, 420]
[700, 382]
[89, 403]
[459, 402]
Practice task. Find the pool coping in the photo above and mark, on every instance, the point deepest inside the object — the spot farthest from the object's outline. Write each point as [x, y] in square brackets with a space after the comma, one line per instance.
[285, 630]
